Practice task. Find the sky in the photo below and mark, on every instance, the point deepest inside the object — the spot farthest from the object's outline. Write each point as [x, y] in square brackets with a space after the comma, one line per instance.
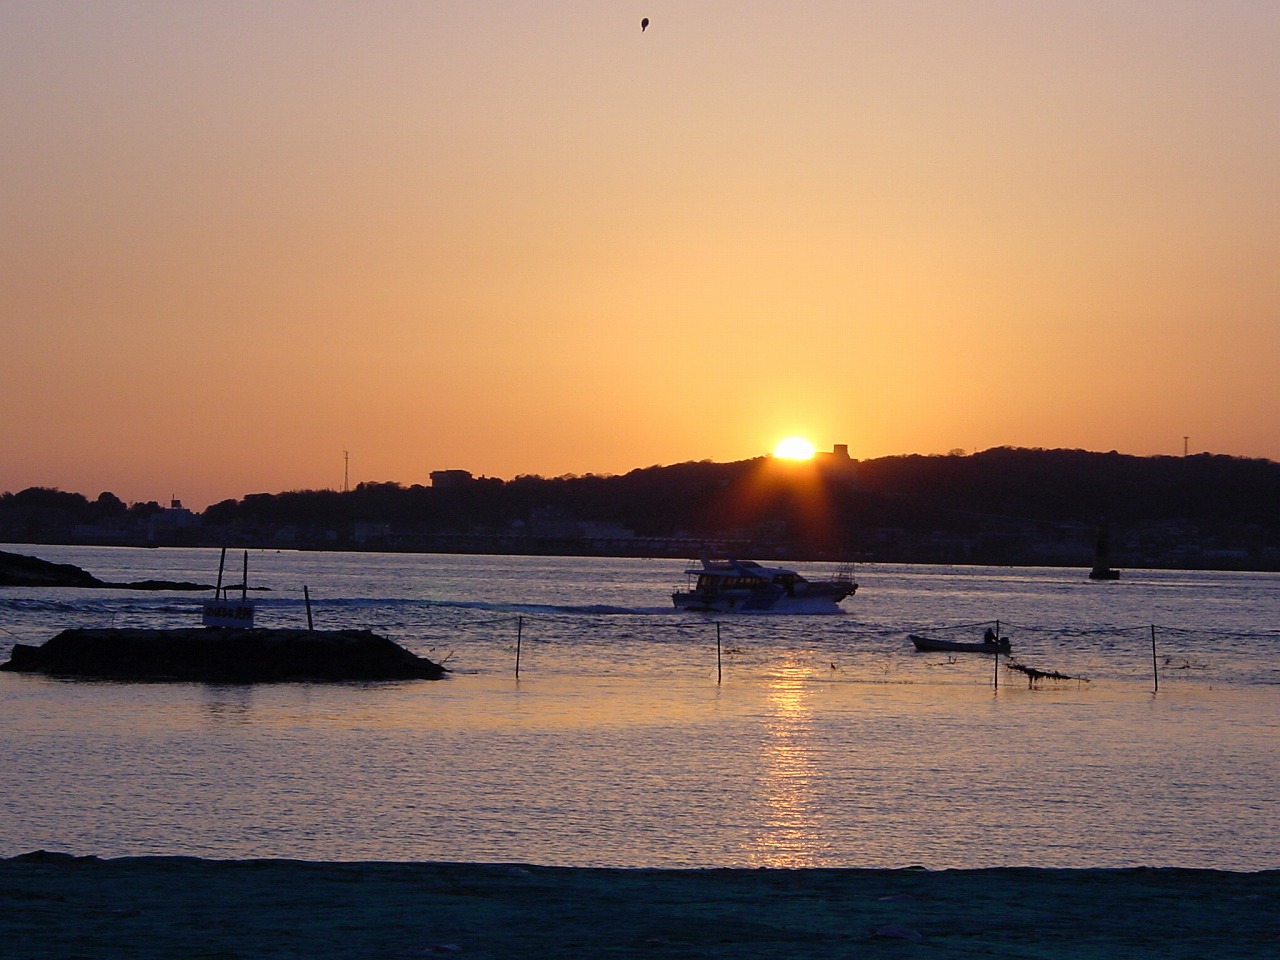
[276, 245]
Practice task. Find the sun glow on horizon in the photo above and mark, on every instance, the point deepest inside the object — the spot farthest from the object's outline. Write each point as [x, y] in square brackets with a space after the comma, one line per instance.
[794, 448]
[504, 229]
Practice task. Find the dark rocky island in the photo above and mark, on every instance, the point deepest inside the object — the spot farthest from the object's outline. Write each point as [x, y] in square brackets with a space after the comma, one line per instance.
[222, 655]
[17, 570]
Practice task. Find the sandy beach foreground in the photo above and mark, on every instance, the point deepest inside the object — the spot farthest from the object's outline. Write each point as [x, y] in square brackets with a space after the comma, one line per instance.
[61, 906]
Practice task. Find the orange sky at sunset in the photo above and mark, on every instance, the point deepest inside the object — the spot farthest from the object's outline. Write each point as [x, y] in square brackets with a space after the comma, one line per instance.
[243, 237]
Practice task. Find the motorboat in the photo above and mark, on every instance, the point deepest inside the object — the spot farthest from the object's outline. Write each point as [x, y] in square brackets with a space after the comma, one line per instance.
[999, 645]
[745, 586]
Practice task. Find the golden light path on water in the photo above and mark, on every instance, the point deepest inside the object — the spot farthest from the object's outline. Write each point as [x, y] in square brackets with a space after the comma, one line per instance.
[789, 834]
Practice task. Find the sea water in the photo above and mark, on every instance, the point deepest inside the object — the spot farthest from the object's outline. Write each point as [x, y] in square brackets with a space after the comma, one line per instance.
[586, 722]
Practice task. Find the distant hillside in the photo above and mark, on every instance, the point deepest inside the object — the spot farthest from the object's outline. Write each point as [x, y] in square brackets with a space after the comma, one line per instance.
[1005, 505]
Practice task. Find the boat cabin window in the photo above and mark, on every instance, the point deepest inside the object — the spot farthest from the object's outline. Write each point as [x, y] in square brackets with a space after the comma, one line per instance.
[712, 583]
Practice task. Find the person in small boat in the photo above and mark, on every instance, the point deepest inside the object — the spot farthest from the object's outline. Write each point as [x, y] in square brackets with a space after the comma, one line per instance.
[989, 636]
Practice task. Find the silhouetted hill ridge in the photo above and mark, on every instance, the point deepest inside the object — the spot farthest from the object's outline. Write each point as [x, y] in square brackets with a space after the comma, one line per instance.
[1005, 504]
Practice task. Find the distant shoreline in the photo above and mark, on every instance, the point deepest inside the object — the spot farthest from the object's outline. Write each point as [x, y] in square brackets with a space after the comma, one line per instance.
[1004, 506]
[180, 907]
[685, 551]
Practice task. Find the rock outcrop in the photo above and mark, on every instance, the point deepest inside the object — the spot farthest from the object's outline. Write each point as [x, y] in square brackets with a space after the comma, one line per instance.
[17, 570]
[214, 655]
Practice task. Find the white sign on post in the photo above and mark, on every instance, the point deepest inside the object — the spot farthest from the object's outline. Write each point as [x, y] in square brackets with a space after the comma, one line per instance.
[228, 613]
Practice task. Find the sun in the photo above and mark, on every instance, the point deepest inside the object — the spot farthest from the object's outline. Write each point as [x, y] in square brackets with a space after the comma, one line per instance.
[794, 448]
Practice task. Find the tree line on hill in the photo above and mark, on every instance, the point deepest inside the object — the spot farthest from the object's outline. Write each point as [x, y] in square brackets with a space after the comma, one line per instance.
[1000, 505]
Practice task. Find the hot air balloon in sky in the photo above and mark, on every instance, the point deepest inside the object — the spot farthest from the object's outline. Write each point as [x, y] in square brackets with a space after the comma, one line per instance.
[644, 24]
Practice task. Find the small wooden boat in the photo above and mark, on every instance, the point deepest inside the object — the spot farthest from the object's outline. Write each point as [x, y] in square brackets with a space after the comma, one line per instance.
[1000, 645]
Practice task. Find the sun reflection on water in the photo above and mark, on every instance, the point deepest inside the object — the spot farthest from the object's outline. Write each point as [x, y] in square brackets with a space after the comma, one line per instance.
[789, 833]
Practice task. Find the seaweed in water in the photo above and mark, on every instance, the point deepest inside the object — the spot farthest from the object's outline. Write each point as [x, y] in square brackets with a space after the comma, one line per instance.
[1034, 676]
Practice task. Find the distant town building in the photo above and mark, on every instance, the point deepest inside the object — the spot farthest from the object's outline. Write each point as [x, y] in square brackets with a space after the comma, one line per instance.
[444, 479]
[838, 452]
[176, 517]
[551, 523]
[836, 462]
[363, 532]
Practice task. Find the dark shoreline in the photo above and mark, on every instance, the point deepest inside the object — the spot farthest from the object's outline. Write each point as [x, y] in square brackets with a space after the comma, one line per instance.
[179, 907]
[21, 570]
[683, 551]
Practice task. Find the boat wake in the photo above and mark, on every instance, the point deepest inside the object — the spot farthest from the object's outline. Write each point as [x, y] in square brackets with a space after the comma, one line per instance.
[555, 609]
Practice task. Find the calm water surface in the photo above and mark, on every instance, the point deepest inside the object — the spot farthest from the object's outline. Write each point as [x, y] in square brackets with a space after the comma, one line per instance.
[628, 740]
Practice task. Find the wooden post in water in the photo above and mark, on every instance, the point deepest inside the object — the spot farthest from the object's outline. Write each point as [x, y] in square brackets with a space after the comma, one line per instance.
[719, 671]
[306, 596]
[995, 677]
[244, 583]
[519, 631]
[222, 562]
[1155, 669]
